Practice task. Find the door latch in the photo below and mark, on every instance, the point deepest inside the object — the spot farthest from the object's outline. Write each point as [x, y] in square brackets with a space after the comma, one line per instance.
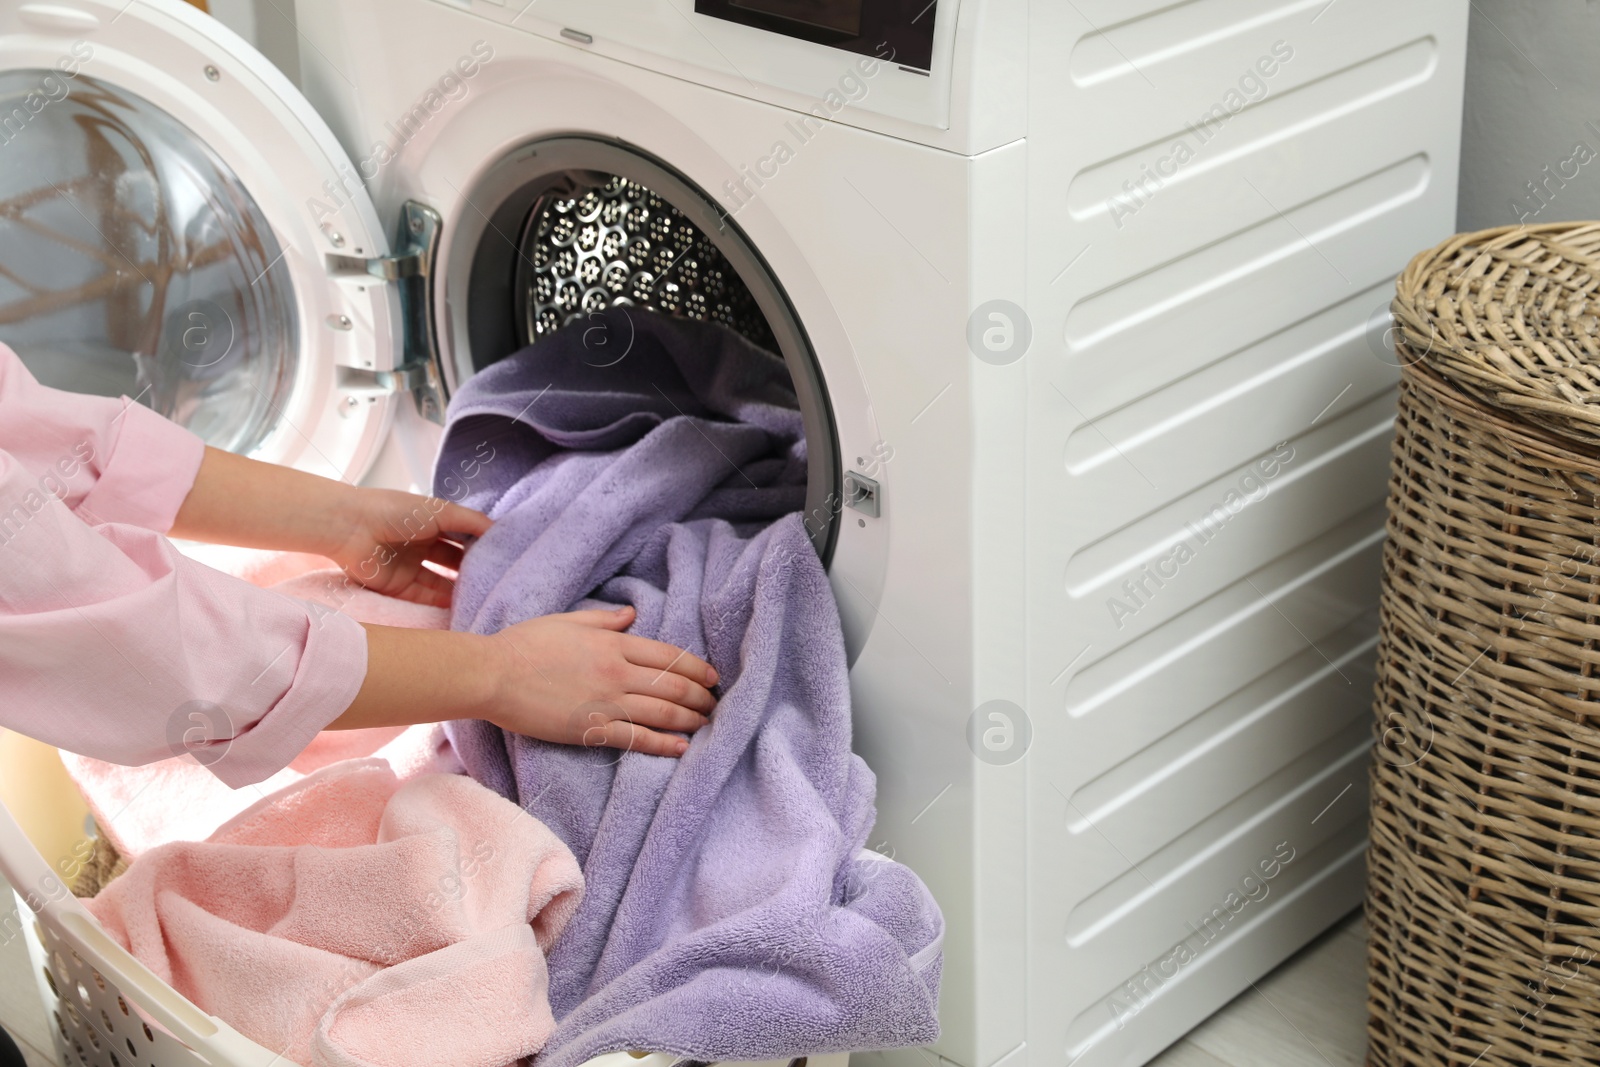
[861, 493]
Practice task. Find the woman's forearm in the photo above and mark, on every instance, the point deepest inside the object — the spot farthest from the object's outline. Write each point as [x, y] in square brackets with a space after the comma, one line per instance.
[251, 504]
[574, 679]
[417, 676]
[383, 538]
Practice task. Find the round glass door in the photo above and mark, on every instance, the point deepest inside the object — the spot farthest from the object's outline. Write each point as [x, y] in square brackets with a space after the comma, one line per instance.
[133, 261]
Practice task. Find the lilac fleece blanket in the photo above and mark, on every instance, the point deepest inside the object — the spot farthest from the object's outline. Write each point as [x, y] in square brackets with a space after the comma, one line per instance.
[730, 911]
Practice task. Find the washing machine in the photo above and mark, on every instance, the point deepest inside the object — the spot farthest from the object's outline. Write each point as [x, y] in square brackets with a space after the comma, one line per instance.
[1085, 303]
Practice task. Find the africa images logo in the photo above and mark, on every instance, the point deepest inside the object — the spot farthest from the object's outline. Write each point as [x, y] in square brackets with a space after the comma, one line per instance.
[1251, 88]
[449, 87]
[1250, 489]
[52, 88]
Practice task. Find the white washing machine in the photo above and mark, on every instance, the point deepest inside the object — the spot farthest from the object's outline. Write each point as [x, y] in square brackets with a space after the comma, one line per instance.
[1079, 298]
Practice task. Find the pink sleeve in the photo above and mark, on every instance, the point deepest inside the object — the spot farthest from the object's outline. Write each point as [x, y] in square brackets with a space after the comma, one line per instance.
[113, 644]
[110, 460]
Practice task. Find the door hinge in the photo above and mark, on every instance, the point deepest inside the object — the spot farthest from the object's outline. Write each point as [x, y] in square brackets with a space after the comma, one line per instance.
[411, 268]
[405, 376]
[385, 268]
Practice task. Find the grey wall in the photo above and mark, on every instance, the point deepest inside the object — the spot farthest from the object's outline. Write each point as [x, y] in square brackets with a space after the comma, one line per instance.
[1532, 102]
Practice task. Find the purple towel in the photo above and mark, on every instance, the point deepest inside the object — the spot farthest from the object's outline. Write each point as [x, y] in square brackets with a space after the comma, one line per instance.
[730, 911]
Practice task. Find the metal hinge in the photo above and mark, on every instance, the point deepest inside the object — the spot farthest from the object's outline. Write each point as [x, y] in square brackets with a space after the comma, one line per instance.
[404, 377]
[407, 377]
[411, 268]
[387, 268]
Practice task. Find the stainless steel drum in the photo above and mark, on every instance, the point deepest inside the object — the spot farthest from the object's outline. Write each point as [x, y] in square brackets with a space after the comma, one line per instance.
[618, 243]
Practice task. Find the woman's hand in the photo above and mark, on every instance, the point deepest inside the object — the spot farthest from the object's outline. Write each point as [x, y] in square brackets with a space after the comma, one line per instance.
[577, 680]
[573, 679]
[391, 534]
[380, 537]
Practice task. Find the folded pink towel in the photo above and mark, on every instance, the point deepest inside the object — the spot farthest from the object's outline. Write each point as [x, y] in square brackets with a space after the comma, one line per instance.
[177, 799]
[354, 920]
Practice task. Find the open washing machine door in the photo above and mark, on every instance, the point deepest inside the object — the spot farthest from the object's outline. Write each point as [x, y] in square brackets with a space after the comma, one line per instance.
[178, 224]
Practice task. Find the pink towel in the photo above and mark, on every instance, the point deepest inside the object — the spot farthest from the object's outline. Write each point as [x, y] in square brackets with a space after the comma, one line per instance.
[354, 920]
[138, 808]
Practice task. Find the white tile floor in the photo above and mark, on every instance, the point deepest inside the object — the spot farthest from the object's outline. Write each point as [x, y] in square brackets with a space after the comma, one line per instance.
[1310, 1012]
[32, 1055]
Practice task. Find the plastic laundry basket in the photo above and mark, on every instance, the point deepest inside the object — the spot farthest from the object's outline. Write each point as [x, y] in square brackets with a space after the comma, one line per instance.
[110, 1010]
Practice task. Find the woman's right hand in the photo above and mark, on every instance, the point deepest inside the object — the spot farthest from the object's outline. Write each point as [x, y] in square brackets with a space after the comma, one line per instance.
[576, 679]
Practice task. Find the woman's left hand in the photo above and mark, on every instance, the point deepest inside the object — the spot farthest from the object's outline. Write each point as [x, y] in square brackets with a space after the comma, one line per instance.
[392, 534]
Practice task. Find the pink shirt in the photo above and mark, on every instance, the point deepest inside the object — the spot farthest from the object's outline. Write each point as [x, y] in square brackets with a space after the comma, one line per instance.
[113, 644]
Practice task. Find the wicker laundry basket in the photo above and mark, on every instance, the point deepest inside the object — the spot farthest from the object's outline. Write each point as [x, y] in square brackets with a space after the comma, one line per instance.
[1484, 873]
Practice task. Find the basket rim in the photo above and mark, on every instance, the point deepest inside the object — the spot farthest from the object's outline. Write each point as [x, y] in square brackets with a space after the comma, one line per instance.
[1535, 354]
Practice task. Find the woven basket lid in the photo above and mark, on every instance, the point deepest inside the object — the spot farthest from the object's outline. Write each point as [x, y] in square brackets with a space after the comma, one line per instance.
[1512, 317]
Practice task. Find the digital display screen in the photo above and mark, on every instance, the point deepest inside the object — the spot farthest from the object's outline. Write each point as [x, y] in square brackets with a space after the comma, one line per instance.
[895, 31]
[841, 16]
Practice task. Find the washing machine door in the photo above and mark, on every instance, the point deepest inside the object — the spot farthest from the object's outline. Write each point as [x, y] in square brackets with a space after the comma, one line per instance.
[177, 224]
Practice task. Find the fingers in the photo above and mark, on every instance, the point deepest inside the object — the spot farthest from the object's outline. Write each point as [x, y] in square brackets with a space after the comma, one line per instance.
[664, 657]
[606, 619]
[668, 686]
[632, 737]
[446, 554]
[428, 587]
[455, 519]
[661, 714]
